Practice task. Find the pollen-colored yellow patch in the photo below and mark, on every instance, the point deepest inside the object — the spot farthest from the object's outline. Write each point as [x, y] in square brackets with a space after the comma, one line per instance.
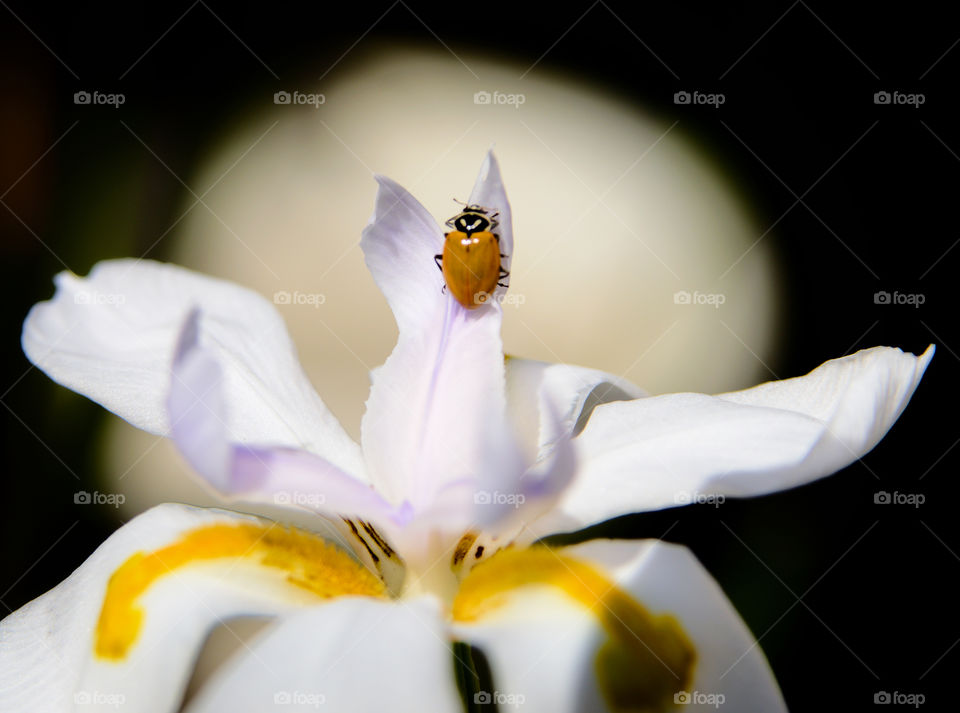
[308, 561]
[646, 658]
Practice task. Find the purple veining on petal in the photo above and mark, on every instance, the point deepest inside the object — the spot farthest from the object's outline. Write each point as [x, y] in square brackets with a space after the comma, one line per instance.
[287, 476]
[195, 404]
[404, 513]
[451, 310]
[281, 475]
[427, 486]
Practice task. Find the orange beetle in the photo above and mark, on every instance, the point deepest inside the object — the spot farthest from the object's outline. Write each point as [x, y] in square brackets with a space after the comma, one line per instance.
[470, 262]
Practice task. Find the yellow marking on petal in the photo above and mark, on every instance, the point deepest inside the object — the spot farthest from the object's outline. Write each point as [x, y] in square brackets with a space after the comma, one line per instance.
[309, 562]
[646, 658]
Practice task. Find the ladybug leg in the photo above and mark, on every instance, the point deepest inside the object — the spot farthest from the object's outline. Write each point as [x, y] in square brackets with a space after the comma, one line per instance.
[503, 274]
[439, 260]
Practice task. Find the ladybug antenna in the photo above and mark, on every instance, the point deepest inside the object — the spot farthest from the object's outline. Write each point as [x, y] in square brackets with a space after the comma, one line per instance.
[475, 208]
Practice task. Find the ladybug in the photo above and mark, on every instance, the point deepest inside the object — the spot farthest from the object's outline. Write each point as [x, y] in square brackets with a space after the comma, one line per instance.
[471, 256]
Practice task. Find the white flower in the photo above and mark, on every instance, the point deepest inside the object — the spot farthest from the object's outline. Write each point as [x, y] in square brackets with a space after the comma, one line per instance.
[463, 454]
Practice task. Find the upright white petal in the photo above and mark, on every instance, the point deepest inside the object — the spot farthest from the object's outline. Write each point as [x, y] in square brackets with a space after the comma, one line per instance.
[488, 192]
[435, 428]
[68, 647]
[399, 244]
[350, 655]
[549, 651]
[111, 337]
[669, 450]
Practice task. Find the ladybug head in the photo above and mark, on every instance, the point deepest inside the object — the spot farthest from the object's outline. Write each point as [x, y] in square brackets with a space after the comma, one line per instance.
[473, 219]
[469, 222]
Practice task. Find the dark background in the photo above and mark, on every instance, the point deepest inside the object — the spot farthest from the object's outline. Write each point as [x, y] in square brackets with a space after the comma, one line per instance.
[877, 608]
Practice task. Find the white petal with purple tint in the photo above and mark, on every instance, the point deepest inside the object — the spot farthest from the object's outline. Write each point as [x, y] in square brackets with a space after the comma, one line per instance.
[199, 414]
[111, 337]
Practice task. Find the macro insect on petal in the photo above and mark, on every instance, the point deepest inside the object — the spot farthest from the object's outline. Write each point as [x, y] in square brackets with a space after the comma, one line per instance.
[470, 262]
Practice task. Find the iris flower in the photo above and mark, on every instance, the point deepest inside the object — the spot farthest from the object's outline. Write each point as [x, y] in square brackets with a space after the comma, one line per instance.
[437, 590]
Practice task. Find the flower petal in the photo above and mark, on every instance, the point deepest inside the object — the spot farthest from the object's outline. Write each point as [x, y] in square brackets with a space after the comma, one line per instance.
[616, 626]
[435, 426]
[111, 337]
[399, 244]
[199, 418]
[488, 192]
[349, 655]
[669, 577]
[667, 450]
[505, 518]
[537, 390]
[126, 626]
